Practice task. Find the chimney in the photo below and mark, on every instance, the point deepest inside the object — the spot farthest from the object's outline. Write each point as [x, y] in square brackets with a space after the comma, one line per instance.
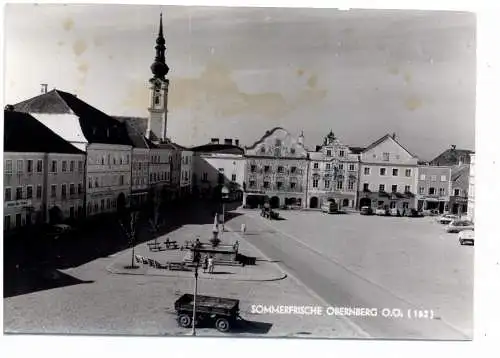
[214, 141]
[44, 88]
[228, 141]
[394, 135]
[237, 142]
[318, 148]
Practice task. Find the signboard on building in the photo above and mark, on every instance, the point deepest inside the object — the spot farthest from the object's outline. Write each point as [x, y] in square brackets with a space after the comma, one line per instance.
[18, 203]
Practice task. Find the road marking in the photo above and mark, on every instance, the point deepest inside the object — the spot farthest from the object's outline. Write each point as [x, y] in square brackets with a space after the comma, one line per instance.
[360, 331]
[458, 330]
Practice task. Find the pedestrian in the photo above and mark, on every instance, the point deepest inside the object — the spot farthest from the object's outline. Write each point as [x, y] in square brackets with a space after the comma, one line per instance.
[243, 228]
[211, 264]
[205, 263]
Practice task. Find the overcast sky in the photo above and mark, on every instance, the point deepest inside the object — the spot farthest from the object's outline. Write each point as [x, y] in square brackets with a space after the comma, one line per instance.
[236, 72]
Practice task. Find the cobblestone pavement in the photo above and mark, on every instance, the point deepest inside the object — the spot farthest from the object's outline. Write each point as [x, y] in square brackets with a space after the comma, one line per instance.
[96, 301]
[383, 262]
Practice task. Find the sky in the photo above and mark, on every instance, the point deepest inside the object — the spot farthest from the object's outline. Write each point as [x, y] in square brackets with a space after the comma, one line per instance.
[237, 72]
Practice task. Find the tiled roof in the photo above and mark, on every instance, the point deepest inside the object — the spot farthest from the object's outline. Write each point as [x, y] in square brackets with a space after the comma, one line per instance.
[387, 136]
[23, 133]
[452, 157]
[134, 130]
[458, 171]
[267, 134]
[356, 150]
[96, 126]
[218, 148]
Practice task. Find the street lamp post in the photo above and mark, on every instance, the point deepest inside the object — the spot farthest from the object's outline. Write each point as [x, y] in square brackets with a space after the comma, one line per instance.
[194, 295]
[225, 194]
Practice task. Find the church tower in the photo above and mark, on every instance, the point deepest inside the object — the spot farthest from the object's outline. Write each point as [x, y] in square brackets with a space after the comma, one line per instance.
[158, 91]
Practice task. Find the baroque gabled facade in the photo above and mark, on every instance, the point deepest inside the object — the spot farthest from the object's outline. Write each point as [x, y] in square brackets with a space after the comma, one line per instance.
[332, 174]
[276, 167]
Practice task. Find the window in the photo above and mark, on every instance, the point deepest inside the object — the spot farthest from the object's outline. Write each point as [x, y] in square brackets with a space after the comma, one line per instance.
[394, 188]
[128, 159]
[328, 153]
[53, 166]
[121, 163]
[233, 177]
[366, 187]
[72, 166]
[292, 150]
[350, 185]
[293, 185]
[341, 153]
[315, 183]
[433, 178]
[80, 188]
[80, 166]
[8, 166]
[30, 166]
[204, 177]
[422, 176]
[293, 170]
[53, 190]
[72, 189]
[8, 194]
[279, 185]
[367, 171]
[262, 149]
[385, 157]
[20, 166]
[114, 160]
[351, 167]
[441, 191]
[266, 184]
[394, 172]
[29, 192]
[432, 191]
[266, 168]
[63, 191]
[316, 165]
[339, 185]
[407, 188]
[252, 183]
[38, 191]
[382, 171]
[341, 166]
[6, 223]
[90, 182]
[457, 192]
[381, 187]
[253, 168]
[408, 172]
[443, 177]
[280, 169]
[278, 142]
[102, 204]
[108, 203]
[39, 166]
[64, 166]
[327, 184]
[19, 193]
[151, 177]
[122, 180]
[405, 205]
[327, 166]
[19, 220]
[421, 190]
[96, 182]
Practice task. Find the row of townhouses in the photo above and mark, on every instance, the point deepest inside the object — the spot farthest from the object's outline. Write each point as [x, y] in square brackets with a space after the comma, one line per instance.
[64, 159]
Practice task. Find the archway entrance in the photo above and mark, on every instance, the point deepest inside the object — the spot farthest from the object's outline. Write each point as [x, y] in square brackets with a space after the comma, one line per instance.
[365, 202]
[345, 202]
[274, 202]
[313, 203]
[55, 215]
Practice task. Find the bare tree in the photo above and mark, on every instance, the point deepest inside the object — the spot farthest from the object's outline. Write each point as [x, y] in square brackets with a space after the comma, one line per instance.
[130, 229]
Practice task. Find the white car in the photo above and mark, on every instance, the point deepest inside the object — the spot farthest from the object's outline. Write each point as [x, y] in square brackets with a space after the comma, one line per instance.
[466, 237]
[446, 218]
[460, 225]
[381, 212]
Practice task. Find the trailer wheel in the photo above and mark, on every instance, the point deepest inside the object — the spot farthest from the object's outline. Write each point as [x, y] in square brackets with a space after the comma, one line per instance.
[184, 320]
[222, 325]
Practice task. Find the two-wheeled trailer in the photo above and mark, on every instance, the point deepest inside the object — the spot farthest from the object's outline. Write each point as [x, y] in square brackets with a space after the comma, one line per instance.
[219, 311]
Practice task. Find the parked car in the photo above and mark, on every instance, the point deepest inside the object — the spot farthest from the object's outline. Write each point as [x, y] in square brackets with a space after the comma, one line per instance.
[366, 210]
[414, 213]
[460, 225]
[329, 207]
[446, 218]
[431, 212]
[466, 236]
[58, 230]
[395, 212]
[382, 212]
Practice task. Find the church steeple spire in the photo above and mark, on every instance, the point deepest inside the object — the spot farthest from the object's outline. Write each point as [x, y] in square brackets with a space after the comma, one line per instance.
[159, 68]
